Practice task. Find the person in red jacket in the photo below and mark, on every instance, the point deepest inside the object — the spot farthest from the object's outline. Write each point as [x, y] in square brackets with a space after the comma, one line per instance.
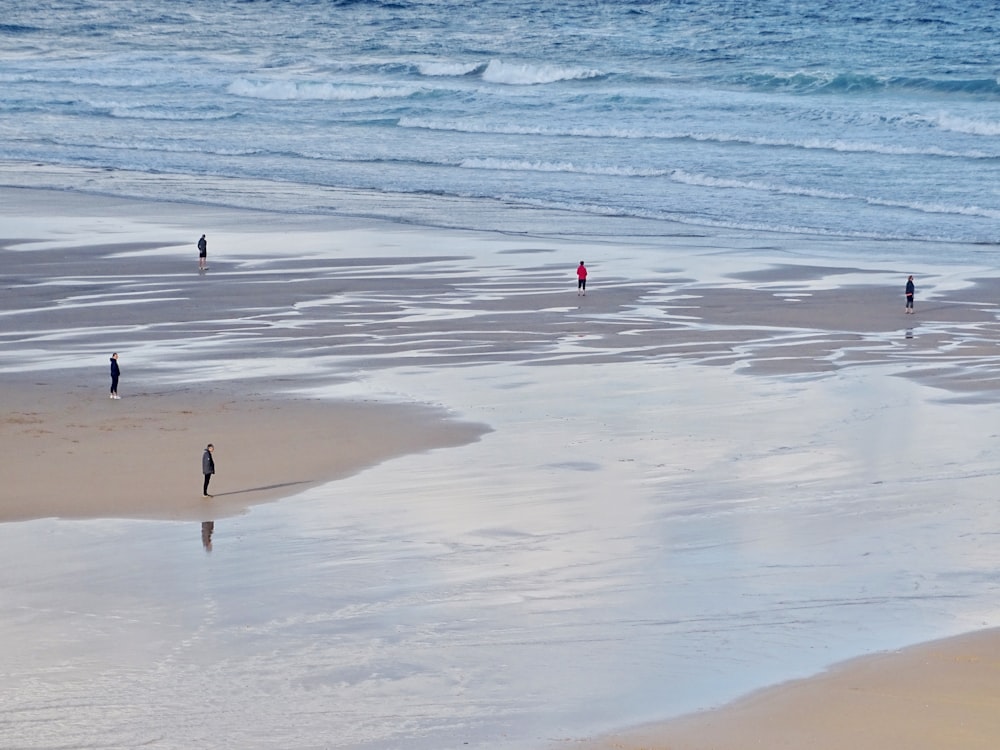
[581, 280]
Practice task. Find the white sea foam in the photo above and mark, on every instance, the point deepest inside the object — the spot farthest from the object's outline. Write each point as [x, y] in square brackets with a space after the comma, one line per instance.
[785, 189]
[527, 74]
[838, 145]
[704, 180]
[615, 132]
[970, 125]
[535, 166]
[511, 128]
[152, 147]
[938, 208]
[447, 68]
[144, 113]
[299, 90]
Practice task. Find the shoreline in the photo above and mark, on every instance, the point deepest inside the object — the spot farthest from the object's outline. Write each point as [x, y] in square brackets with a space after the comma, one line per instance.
[938, 694]
[355, 207]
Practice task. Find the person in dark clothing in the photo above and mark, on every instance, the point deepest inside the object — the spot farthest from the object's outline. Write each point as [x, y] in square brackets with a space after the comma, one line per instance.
[115, 373]
[207, 468]
[910, 289]
[202, 253]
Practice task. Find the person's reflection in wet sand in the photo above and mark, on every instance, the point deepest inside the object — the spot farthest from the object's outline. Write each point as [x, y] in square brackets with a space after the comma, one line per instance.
[207, 527]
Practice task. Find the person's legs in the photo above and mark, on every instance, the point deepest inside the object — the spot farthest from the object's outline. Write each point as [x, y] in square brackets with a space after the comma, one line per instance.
[204, 490]
[114, 386]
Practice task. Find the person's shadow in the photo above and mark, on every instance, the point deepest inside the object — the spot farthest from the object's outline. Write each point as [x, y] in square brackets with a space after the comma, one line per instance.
[264, 488]
[207, 527]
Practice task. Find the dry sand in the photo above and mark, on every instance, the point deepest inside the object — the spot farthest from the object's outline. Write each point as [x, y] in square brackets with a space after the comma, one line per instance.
[82, 455]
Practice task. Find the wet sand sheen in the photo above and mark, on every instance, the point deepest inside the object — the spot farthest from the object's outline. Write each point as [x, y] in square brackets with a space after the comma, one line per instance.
[422, 298]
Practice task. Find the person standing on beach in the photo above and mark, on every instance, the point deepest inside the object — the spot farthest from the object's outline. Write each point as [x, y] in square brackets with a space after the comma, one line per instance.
[207, 468]
[202, 253]
[581, 280]
[910, 289]
[115, 372]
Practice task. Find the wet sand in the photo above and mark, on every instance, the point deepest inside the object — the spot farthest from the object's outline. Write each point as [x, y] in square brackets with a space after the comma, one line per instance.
[266, 335]
[944, 694]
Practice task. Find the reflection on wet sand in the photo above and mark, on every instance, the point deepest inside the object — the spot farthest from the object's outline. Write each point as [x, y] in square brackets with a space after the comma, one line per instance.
[207, 527]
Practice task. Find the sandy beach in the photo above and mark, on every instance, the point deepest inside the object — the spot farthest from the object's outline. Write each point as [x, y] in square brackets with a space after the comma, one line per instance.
[79, 456]
[940, 694]
[489, 418]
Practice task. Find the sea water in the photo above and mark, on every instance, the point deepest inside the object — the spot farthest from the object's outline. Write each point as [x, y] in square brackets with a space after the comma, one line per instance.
[859, 119]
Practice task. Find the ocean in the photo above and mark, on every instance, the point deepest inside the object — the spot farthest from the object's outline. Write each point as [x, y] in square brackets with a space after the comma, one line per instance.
[844, 119]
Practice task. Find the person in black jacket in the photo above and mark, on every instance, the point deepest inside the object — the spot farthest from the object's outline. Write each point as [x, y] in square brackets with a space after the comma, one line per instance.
[202, 253]
[207, 468]
[910, 289]
[115, 372]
